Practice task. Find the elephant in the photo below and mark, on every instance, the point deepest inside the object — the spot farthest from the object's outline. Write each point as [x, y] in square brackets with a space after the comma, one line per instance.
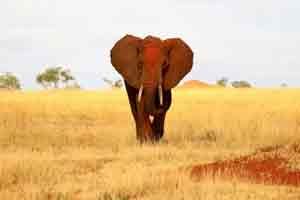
[150, 67]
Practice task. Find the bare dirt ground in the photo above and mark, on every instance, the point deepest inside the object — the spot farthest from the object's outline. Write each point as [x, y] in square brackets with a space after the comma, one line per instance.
[274, 165]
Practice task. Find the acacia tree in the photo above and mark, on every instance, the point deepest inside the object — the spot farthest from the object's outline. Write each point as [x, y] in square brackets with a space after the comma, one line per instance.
[222, 82]
[114, 84]
[284, 85]
[49, 78]
[52, 77]
[241, 84]
[9, 81]
[66, 76]
[41, 79]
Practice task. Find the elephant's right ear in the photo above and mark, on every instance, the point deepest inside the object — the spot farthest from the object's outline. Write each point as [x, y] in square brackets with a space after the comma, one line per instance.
[125, 59]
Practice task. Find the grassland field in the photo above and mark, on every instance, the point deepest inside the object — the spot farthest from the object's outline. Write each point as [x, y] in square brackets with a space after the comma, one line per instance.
[81, 144]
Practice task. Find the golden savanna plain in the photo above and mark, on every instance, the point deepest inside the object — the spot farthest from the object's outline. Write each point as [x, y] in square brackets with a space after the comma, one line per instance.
[76, 144]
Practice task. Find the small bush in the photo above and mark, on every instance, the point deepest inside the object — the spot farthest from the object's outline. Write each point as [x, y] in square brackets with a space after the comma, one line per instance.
[241, 84]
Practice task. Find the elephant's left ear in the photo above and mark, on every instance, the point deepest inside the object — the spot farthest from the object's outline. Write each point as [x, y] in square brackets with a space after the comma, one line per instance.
[180, 61]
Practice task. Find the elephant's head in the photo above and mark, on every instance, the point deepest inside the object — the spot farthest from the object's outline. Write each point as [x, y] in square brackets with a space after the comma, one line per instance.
[151, 65]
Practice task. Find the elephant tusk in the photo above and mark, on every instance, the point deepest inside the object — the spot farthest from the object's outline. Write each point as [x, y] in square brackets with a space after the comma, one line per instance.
[151, 118]
[140, 93]
[160, 93]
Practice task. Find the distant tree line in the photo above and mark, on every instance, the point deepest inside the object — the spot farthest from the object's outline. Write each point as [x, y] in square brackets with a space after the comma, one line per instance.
[114, 84]
[60, 76]
[54, 77]
[223, 82]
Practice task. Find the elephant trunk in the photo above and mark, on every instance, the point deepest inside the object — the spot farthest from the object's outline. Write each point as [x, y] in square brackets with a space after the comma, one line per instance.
[150, 92]
[150, 106]
[150, 96]
[160, 92]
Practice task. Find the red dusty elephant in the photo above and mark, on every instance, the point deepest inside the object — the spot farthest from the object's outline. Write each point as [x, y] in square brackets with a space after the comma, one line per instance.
[151, 67]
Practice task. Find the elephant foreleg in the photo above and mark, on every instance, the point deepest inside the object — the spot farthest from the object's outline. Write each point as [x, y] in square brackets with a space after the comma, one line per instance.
[138, 126]
[145, 131]
[158, 125]
[132, 92]
[159, 120]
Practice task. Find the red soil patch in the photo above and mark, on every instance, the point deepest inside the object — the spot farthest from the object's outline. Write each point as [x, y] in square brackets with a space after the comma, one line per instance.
[277, 167]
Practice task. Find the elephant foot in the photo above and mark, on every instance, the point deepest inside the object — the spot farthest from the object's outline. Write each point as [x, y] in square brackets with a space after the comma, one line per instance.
[146, 137]
[158, 136]
[147, 140]
[151, 130]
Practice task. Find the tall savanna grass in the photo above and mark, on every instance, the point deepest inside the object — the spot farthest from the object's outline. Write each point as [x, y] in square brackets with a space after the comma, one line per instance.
[81, 144]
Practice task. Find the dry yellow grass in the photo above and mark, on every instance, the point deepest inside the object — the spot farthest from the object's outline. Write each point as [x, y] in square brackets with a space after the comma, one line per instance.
[81, 144]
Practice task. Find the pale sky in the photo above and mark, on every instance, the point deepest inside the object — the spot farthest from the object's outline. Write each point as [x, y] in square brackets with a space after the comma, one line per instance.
[257, 40]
